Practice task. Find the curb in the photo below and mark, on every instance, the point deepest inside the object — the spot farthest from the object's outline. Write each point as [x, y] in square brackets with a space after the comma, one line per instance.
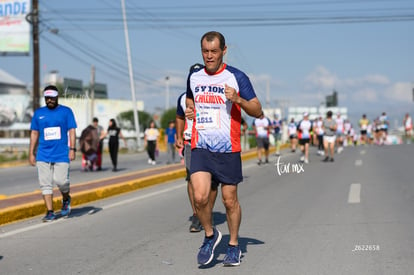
[29, 210]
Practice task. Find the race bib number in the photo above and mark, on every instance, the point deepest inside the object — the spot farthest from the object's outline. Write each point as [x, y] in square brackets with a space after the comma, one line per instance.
[52, 133]
[208, 119]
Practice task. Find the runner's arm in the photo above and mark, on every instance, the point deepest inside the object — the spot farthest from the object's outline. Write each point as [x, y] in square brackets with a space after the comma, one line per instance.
[34, 137]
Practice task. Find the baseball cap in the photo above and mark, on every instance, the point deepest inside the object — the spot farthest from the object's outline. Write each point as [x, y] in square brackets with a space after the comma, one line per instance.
[50, 93]
[305, 114]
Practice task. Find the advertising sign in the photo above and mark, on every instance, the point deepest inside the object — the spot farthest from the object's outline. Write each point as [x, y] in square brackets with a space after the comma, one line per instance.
[14, 28]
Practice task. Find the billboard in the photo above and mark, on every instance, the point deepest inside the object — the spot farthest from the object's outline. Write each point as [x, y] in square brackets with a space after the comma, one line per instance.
[14, 28]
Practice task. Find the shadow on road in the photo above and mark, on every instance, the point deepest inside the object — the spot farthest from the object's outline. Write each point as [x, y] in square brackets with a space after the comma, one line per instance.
[222, 248]
[78, 212]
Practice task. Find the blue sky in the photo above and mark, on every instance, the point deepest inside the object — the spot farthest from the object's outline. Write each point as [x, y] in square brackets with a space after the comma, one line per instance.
[301, 49]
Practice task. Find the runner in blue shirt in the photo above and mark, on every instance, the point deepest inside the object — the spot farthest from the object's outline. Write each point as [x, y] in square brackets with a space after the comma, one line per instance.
[52, 147]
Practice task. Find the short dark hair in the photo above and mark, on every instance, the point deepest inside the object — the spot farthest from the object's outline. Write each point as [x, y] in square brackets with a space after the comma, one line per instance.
[209, 36]
[329, 114]
[95, 119]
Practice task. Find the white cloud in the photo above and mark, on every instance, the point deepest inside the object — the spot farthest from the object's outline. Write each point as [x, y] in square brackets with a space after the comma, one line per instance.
[400, 91]
[365, 95]
[369, 88]
[321, 78]
[374, 79]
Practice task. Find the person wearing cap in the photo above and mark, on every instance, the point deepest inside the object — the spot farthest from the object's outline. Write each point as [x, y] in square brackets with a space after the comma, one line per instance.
[215, 96]
[52, 147]
[304, 128]
[183, 142]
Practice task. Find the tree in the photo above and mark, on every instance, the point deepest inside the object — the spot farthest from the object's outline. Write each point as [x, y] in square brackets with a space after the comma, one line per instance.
[168, 116]
[126, 119]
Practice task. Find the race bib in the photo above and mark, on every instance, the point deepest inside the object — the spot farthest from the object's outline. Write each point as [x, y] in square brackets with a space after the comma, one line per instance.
[208, 119]
[52, 133]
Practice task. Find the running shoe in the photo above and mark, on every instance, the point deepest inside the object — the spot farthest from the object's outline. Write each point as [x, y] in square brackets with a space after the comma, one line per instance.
[195, 224]
[65, 211]
[332, 160]
[232, 257]
[50, 216]
[326, 159]
[206, 253]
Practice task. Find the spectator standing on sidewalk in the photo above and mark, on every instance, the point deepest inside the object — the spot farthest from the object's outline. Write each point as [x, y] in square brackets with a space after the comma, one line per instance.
[89, 142]
[215, 96]
[150, 141]
[101, 135]
[53, 134]
[170, 138]
[114, 133]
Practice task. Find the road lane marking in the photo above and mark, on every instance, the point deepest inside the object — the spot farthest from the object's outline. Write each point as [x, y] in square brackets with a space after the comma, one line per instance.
[362, 152]
[354, 195]
[149, 195]
[358, 162]
[4, 234]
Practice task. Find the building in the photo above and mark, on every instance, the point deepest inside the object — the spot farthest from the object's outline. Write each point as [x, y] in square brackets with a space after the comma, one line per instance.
[15, 106]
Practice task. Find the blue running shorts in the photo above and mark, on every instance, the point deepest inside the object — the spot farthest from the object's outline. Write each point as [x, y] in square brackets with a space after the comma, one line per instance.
[224, 168]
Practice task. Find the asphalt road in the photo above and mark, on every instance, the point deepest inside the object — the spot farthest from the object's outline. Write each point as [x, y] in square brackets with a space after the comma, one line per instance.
[353, 216]
[23, 178]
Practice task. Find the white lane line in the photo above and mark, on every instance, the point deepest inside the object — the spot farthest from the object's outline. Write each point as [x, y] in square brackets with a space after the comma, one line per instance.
[152, 194]
[29, 228]
[120, 203]
[362, 152]
[354, 195]
[358, 162]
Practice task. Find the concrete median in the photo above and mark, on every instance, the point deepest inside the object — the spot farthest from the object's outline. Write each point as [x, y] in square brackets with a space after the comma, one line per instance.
[23, 206]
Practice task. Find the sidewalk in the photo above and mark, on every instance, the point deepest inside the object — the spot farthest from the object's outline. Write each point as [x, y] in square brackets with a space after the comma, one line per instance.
[28, 205]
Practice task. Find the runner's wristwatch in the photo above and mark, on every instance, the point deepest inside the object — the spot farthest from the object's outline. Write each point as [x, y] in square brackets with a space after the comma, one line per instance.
[73, 149]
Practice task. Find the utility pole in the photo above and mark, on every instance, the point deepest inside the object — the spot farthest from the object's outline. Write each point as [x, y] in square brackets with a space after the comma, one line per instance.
[131, 75]
[35, 33]
[268, 92]
[92, 92]
[167, 93]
